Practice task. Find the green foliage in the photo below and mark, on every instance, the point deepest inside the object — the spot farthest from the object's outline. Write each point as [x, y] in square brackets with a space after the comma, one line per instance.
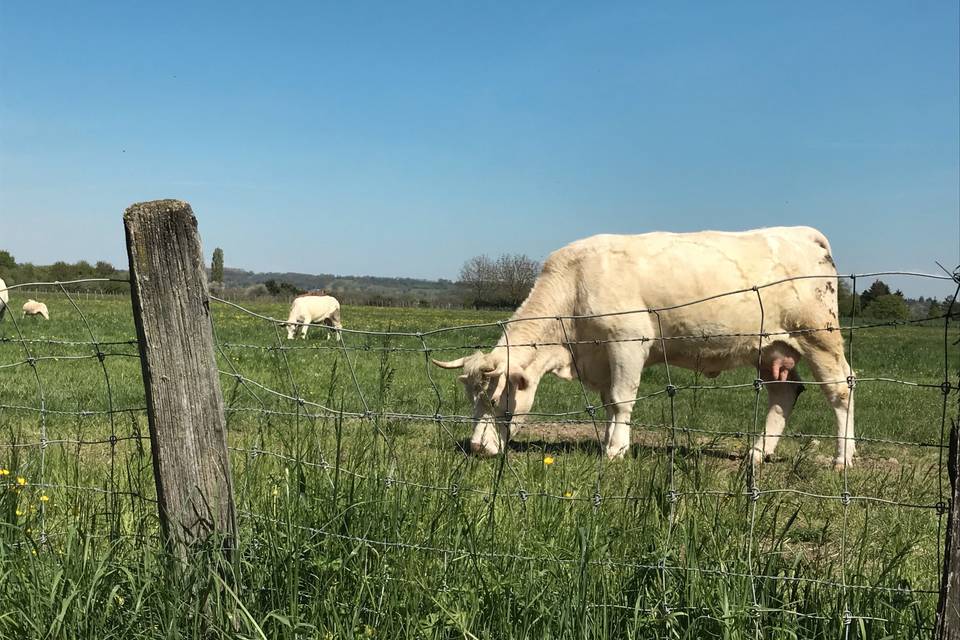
[887, 307]
[216, 268]
[848, 304]
[14, 273]
[282, 289]
[877, 289]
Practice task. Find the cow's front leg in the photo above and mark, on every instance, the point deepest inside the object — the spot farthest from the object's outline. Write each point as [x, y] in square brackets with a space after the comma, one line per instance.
[626, 366]
[781, 398]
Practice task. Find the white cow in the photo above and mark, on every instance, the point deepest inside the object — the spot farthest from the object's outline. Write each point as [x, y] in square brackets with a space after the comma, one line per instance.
[33, 308]
[308, 309]
[4, 298]
[617, 275]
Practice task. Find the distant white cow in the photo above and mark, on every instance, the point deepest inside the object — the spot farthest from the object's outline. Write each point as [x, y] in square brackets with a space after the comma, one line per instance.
[617, 275]
[307, 309]
[4, 298]
[34, 308]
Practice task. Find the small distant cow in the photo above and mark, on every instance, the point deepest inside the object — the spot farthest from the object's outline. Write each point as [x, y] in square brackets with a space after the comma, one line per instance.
[33, 308]
[313, 309]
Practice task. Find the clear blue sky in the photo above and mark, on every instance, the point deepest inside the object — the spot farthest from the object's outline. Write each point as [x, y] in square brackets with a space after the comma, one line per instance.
[401, 138]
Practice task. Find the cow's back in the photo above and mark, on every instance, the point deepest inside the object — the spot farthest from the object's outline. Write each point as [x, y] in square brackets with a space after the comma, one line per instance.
[317, 307]
[676, 273]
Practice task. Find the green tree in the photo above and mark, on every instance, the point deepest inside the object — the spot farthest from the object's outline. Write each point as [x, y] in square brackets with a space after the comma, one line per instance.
[887, 307]
[877, 289]
[847, 303]
[216, 268]
[935, 309]
[7, 263]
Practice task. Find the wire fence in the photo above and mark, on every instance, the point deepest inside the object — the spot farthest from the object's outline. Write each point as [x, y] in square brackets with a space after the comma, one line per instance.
[351, 408]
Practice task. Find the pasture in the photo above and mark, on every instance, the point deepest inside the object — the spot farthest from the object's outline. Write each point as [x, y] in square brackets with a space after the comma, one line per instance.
[360, 515]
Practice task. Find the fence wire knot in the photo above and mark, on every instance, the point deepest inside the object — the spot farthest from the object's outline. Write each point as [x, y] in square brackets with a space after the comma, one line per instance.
[754, 493]
[454, 489]
[941, 508]
[113, 439]
[851, 382]
[847, 617]
[597, 499]
[523, 495]
[671, 390]
[43, 443]
[946, 387]
[591, 410]
[672, 496]
[253, 454]
[43, 537]
[845, 498]
[758, 384]
[101, 356]
[388, 481]
[438, 418]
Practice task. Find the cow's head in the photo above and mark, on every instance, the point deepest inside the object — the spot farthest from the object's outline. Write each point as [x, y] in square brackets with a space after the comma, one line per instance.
[500, 398]
[291, 330]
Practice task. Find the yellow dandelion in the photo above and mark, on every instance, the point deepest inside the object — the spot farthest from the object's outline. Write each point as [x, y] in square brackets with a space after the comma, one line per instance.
[369, 631]
[33, 551]
[118, 599]
[21, 481]
[20, 513]
[44, 498]
[276, 491]
[548, 460]
[4, 472]
[568, 494]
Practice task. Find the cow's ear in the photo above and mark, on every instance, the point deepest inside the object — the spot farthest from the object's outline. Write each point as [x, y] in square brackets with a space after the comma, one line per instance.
[520, 379]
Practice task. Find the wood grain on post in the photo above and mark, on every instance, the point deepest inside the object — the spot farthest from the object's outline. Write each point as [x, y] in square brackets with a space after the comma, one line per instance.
[188, 426]
[948, 610]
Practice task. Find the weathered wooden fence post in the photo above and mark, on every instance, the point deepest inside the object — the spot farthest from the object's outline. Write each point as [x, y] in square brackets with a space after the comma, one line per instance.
[188, 428]
[948, 611]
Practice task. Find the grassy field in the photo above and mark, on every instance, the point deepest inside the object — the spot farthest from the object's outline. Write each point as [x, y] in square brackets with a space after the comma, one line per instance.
[360, 516]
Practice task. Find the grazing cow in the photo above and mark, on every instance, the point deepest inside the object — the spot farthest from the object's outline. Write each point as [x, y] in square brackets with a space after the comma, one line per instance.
[34, 308]
[617, 275]
[308, 309]
[4, 298]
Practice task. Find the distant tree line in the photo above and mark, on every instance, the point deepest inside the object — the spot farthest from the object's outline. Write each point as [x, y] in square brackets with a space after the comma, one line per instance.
[878, 302]
[13, 272]
[501, 283]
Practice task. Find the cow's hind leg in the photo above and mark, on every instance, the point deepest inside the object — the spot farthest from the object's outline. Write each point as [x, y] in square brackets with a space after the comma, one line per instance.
[781, 397]
[824, 352]
[626, 367]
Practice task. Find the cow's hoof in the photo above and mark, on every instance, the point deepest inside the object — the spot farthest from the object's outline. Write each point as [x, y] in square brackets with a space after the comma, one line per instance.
[616, 453]
[482, 450]
[840, 465]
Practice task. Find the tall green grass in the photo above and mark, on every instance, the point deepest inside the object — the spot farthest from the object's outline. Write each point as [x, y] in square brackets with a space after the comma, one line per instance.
[360, 522]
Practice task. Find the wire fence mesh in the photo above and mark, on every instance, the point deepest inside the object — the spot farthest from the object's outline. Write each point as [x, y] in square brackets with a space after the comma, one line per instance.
[355, 439]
